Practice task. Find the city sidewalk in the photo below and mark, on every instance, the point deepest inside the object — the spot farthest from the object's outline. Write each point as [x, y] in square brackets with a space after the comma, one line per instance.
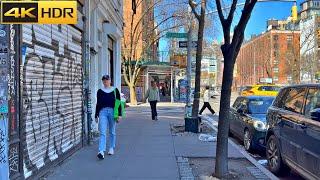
[145, 149]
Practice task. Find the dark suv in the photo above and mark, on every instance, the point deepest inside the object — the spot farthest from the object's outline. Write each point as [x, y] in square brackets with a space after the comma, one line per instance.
[293, 136]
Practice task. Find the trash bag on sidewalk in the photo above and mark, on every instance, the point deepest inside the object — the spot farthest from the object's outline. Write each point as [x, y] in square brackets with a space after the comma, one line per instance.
[207, 138]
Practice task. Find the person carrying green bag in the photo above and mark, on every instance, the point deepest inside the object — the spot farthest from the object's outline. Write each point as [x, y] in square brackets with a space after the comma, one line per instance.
[108, 110]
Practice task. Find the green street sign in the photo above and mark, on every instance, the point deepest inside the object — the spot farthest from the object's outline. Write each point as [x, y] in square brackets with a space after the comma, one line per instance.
[176, 35]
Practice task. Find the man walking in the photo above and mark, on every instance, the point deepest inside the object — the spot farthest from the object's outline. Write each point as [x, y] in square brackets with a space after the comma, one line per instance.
[153, 98]
[206, 97]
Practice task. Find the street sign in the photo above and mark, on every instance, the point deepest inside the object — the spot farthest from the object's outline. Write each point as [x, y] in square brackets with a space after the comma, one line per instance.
[184, 44]
[176, 35]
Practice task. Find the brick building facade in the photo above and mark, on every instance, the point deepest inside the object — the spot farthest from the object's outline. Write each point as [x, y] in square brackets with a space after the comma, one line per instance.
[273, 54]
[139, 28]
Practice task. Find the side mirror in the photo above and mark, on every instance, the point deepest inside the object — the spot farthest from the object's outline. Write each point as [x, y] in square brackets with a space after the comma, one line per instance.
[315, 114]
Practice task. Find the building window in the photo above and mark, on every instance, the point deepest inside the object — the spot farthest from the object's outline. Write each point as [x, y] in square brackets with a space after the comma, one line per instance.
[275, 79]
[111, 57]
[276, 62]
[289, 38]
[276, 69]
[275, 37]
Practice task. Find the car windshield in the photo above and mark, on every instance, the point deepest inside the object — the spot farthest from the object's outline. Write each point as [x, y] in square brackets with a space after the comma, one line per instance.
[269, 88]
[246, 88]
[259, 105]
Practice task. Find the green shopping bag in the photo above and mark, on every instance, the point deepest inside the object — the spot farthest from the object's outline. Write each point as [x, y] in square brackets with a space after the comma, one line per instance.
[119, 107]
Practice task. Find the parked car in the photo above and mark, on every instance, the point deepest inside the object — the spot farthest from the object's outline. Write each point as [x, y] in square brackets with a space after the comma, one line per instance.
[261, 90]
[248, 120]
[293, 136]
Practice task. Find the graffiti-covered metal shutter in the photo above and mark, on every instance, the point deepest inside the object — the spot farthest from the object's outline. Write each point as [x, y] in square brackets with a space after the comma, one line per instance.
[52, 94]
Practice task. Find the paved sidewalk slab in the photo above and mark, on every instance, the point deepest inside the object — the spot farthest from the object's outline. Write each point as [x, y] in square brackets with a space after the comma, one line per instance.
[144, 151]
[190, 146]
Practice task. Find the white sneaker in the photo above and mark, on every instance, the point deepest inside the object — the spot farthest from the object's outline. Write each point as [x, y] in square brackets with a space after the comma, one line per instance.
[100, 155]
[111, 151]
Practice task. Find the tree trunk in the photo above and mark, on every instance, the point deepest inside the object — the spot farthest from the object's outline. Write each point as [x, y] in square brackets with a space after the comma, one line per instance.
[133, 96]
[196, 100]
[221, 168]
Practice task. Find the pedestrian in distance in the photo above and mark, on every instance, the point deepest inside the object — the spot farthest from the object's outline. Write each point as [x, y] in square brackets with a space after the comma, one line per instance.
[107, 114]
[206, 97]
[153, 97]
[163, 91]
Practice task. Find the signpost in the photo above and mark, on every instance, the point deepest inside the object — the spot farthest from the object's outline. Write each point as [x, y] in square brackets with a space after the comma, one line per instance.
[184, 44]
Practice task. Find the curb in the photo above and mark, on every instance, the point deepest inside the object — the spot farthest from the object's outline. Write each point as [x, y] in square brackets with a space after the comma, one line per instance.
[243, 152]
[160, 104]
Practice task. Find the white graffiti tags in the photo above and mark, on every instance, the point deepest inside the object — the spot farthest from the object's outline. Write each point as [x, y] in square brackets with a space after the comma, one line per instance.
[2, 147]
[52, 93]
[14, 159]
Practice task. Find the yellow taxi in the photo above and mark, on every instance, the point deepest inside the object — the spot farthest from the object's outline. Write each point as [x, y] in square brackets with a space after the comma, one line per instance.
[260, 90]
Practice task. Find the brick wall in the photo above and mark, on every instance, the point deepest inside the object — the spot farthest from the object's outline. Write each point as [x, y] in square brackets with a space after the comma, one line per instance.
[274, 54]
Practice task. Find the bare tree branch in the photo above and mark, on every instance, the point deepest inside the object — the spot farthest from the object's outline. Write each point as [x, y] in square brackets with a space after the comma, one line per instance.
[232, 10]
[220, 13]
[193, 7]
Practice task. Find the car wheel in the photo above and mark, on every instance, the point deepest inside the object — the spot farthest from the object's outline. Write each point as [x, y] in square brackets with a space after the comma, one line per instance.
[247, 140]
[275, 162]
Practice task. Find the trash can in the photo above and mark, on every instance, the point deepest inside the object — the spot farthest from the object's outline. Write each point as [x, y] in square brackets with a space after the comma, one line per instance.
[192, 124]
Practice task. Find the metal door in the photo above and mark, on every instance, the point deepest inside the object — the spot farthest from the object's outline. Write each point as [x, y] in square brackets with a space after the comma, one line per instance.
[52, 96]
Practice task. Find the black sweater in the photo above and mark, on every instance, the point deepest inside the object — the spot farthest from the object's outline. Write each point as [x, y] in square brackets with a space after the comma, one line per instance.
[106, 100]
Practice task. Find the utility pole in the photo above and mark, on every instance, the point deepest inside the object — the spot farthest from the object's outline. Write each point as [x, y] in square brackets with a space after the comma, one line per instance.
[188, 108]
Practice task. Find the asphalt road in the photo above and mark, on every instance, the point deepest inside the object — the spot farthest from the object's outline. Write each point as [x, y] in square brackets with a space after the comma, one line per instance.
[261, 157]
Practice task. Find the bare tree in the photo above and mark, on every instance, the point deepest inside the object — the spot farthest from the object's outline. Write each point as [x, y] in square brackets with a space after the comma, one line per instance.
[201, 23]
[308, 56]
[230, 50]
[142, 32]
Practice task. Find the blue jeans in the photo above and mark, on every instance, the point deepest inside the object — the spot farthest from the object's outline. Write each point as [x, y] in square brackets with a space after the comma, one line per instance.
[106, 119]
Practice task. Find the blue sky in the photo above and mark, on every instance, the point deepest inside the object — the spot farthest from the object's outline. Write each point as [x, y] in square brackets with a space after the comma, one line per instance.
[267, 10]
[257, 23]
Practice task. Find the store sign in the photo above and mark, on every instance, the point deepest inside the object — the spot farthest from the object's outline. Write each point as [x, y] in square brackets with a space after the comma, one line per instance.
[266, 80]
